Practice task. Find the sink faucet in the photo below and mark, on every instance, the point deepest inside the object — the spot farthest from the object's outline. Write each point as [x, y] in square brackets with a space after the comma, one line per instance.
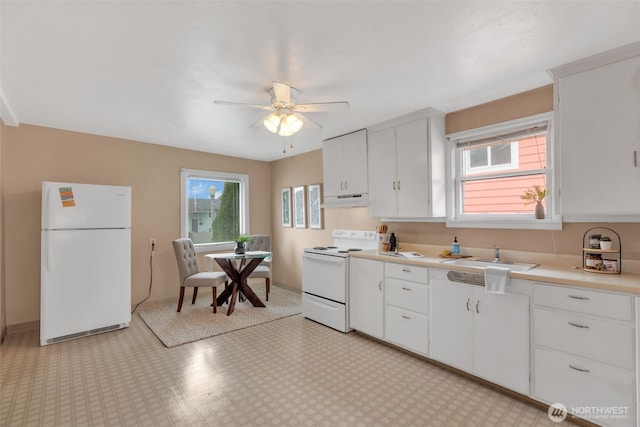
[496, 254]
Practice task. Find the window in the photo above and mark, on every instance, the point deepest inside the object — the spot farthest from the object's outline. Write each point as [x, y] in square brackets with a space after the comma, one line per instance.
[495, 165]
[214, 207]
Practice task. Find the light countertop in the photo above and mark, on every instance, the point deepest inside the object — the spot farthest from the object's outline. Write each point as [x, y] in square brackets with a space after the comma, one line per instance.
[561, 275]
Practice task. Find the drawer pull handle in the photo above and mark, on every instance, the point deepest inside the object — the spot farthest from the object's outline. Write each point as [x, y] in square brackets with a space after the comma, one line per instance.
[477, 310]
[579, 297]
[406, 289]
[468, 300]
[577, 325]
[406, 317]
[579, 369]
[406, 270]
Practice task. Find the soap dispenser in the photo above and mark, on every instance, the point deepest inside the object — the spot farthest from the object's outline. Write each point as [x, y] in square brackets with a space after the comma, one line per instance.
[455, 246]
[393, 244]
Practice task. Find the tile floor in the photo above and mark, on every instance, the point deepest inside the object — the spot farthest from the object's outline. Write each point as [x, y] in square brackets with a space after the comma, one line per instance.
[290, 372]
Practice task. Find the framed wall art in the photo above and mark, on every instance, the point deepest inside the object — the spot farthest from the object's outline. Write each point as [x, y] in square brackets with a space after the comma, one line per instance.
[299, 210]
[285, 201]
[315, 210]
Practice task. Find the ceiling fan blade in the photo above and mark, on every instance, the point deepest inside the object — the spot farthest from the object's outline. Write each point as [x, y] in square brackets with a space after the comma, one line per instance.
[259, 124]
[323, 106]
[307, 121]
[242, 105]
[282, 91]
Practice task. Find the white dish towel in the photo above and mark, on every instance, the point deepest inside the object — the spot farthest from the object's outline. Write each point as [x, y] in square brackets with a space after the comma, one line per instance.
[496, 279]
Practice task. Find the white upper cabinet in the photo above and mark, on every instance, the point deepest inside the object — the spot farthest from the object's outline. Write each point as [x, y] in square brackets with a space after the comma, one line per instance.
[344, 167]
[598, 136]
[407, 167]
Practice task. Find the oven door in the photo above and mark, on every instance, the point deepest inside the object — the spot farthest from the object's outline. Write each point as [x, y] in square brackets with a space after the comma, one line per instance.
[325, 276]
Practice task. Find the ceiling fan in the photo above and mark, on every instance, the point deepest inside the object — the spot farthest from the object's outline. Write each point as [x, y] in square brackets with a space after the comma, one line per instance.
[288, 117]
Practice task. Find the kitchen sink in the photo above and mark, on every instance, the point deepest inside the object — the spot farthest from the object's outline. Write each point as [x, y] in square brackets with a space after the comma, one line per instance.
[482, 263]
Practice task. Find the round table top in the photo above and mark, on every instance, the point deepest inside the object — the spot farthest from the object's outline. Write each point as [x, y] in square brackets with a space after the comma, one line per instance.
[246, 255]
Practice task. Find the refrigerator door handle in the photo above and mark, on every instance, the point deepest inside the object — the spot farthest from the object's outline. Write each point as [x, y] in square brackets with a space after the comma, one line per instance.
[46, 250]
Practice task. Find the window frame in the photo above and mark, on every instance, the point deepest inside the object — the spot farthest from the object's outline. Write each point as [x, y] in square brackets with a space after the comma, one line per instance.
[455, 180]
[243, 179]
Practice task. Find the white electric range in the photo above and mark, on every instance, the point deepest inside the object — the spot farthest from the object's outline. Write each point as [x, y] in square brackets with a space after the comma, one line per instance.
[325, 277]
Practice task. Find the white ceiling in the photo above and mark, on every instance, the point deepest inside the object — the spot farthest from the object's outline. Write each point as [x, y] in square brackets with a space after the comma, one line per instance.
[150, 70]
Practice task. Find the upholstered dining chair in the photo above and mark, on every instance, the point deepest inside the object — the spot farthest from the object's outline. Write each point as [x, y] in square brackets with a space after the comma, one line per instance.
[261, 242]
[190, 275]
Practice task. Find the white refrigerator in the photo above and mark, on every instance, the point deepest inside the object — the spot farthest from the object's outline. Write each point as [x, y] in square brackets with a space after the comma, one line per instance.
[85, 261]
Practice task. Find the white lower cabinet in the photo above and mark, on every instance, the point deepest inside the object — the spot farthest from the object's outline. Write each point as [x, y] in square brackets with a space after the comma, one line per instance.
[585, 353]
[484, 334]
[366, 296]
[406, 312]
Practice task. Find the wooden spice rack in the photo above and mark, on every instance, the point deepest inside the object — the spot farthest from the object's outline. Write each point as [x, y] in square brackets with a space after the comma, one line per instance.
[614, 254]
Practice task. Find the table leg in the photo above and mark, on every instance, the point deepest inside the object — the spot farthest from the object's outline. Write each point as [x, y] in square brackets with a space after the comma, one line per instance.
[238, 283]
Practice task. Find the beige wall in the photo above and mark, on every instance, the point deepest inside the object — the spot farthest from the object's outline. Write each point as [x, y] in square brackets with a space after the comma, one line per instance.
[307, 169]
[35, 154]
[529, 103]
[289, 242]
[32, 154]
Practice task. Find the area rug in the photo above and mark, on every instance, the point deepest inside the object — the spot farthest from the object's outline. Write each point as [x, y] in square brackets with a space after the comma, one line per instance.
[197, 321]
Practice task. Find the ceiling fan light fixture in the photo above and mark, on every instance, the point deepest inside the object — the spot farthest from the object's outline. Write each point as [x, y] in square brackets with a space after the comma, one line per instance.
[290, 124]
[272, 122]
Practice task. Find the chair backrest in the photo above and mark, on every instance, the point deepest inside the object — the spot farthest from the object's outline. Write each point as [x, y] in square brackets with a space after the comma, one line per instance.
[186, 258]
[259, 242]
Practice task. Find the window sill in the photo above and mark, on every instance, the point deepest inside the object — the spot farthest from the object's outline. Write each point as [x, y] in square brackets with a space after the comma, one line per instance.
[214, 247]
[503, 223]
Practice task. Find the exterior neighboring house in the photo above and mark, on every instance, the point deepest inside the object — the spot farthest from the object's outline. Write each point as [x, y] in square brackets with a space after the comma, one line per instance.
[202, 212]
[502, 195]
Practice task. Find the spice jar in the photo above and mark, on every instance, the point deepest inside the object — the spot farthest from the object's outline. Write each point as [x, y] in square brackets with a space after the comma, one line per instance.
[593, 261]
[594, 241]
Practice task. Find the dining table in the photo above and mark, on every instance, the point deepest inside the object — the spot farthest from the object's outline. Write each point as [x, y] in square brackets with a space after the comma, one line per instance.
[238, 267]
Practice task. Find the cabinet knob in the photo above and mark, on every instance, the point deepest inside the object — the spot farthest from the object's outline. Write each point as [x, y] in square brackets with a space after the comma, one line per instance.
[468, 301]
[477, 309]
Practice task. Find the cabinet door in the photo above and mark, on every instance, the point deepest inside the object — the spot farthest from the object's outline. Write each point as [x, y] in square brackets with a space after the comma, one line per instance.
[599, 132]
[365, 296]
[412, 165]
[332, 167]
[354, 172]
[451, 324]
[501, 339]
[382, 173]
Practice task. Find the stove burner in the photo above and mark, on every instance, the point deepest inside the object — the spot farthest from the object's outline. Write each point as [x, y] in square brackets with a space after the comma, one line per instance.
[320, 248]
[332, 247]
[343, 252]
[354, 249]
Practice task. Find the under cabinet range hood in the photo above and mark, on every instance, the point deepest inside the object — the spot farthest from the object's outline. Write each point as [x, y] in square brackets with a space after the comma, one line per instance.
[346, 201]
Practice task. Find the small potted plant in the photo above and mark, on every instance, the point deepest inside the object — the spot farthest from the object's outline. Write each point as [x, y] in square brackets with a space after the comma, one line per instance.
[240, 241]
[605, 243]
[535, 195]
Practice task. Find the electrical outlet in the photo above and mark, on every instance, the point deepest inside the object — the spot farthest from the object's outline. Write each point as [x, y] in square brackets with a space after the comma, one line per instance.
[152, 243]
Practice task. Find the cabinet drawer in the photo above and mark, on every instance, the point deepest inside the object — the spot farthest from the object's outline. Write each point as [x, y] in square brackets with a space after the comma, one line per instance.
[408, 295]
[614, 306]
[594, 339]
[577, 383]
[407, 329]
[407, 272]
